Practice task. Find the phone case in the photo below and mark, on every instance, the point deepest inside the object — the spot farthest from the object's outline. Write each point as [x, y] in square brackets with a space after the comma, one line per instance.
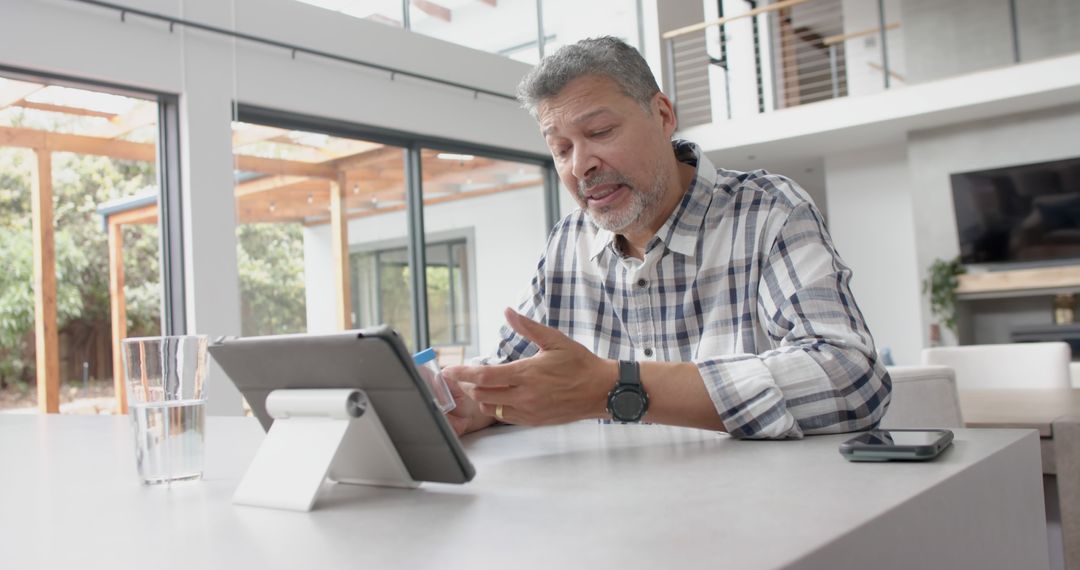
[854, 450]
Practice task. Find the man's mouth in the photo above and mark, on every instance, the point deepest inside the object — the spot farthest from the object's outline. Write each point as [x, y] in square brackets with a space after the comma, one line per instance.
[604, 195]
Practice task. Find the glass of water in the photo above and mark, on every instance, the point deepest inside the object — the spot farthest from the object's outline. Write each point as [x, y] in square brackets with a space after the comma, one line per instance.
[166, 378]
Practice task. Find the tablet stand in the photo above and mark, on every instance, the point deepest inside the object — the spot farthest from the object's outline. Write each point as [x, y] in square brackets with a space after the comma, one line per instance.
[316, 434]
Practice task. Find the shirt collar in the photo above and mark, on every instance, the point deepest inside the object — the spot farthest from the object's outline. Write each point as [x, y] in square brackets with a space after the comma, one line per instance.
[601, 240]
[682, 229]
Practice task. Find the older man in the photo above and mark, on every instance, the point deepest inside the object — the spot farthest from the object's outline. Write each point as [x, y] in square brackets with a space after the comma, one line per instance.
[678, 293]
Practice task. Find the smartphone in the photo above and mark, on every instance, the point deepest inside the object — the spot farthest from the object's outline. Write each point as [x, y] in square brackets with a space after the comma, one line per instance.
[896, 445]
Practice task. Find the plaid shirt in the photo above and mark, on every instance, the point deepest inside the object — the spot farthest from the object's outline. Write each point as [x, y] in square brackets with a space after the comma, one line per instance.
[743, 281]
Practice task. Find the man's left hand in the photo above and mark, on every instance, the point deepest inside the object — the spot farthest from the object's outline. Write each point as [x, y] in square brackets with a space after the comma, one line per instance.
[562, 383]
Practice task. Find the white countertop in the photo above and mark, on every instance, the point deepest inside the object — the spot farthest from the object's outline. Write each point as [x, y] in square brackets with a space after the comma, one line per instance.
[579, 495]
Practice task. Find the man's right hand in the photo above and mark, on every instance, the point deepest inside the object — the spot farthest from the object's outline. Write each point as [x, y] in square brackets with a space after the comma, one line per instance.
[466, 416]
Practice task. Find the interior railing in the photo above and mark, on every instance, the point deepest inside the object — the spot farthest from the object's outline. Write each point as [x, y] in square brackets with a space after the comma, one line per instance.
[789, 53]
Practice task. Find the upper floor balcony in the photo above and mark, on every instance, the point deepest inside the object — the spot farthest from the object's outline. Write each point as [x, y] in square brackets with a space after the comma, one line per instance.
[787, 70]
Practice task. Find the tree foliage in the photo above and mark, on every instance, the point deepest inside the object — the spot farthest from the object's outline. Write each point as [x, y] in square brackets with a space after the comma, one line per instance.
[270, 255]
[80, 184]
[270, 259]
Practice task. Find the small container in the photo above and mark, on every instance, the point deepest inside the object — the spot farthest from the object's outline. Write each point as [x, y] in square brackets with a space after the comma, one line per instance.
[429, 371]
[1064, 309]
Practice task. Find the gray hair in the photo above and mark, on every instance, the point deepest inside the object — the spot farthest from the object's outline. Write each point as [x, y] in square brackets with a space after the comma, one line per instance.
[604, 56]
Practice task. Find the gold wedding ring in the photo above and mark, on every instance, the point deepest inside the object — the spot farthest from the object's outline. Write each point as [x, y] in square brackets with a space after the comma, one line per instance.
[498, 412]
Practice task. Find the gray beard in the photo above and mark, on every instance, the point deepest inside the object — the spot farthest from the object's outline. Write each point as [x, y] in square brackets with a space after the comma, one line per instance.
[615, 219]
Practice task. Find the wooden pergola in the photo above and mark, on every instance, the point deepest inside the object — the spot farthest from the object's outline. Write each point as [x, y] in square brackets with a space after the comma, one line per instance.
[328, 183]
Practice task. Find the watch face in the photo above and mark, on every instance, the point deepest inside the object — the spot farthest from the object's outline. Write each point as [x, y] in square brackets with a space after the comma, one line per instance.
[627, 406]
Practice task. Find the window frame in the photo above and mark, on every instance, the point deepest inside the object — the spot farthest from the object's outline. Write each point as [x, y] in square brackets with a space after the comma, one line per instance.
[465, 236]
[413, 144]
[171, 214]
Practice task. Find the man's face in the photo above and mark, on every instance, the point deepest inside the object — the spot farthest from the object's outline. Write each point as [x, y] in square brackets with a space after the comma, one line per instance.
[609, 151]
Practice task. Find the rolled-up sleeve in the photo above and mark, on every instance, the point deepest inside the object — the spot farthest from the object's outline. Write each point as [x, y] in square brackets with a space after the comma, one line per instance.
[822, 374]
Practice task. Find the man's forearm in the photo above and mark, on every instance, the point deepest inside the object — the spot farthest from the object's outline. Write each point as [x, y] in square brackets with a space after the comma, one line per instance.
[677, 394]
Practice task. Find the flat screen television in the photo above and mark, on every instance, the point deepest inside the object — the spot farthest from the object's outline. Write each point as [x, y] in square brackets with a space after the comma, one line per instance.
[1026, 214]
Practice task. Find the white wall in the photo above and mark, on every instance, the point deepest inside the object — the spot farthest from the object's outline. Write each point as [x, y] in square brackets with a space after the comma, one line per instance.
[209, 71]
[319, 295]
[933, 155]
[872, 224]
[268, 76]
[509, 231]
[891, 215]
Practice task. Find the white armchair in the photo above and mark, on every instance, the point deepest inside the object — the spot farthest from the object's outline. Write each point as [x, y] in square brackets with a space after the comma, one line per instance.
[995, 366]
[1020, 365]
[923, 397]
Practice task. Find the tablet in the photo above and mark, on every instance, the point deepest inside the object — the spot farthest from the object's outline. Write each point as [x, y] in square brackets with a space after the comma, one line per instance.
[373, 360]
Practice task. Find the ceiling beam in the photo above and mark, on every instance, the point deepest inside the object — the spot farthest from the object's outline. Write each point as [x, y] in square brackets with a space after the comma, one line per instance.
[62, 109]
[142, 114]
[384, 20]
[432, 9]
[262, 165]
[271, 184]
[79, 144]
[126, 150]
[325, 219]
[251, 133]
[365, 158]
[20, 137]
[278, 216]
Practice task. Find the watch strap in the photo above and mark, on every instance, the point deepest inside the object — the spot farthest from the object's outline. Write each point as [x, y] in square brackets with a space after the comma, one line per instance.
[629, 373]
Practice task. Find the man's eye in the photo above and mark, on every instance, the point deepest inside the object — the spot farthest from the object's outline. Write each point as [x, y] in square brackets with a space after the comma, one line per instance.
[601, 132]
[562, 151]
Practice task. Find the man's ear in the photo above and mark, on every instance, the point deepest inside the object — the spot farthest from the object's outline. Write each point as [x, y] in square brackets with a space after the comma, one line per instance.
[664, 109]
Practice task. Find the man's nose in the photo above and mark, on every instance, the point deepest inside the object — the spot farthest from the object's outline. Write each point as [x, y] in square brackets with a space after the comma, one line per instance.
[585, 162]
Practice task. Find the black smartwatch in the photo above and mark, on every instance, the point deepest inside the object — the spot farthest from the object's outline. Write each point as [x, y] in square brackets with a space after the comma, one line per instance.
[628, 402]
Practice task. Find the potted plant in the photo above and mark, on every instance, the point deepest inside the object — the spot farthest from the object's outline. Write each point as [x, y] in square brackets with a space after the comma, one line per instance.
[940, 284]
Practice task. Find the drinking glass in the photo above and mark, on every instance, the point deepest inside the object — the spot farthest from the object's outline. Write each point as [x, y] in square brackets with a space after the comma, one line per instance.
[166, 378]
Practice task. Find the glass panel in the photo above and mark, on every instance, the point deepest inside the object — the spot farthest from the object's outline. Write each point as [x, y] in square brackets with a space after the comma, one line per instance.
[943, 39]
[568, 21]
[1047, 28]
[102, 183]
[485, 231]
[287, 253]
[386, 293]
[387, 12]
[505, 27]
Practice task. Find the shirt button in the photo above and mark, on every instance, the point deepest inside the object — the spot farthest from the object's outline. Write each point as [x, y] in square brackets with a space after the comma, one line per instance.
[648, 352]
[642, 283]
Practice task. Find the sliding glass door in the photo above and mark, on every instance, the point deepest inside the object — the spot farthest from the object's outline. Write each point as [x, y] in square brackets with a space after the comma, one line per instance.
[80, 240]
